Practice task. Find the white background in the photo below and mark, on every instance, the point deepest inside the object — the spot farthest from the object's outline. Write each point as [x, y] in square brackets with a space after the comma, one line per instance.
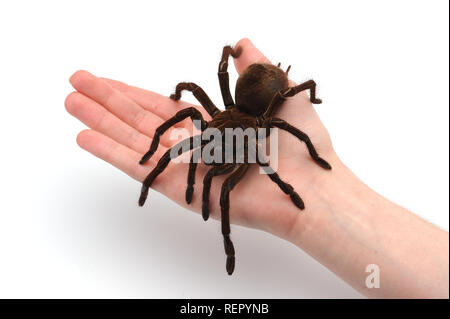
[69, 223]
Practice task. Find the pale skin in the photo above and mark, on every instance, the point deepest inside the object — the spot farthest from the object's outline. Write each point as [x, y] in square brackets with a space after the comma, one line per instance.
[345, 225]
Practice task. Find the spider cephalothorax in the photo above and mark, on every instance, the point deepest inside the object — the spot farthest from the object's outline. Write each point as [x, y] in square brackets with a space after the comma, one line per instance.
[260, 90]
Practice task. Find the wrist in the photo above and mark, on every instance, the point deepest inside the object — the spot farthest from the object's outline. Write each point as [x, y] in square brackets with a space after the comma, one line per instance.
[337, 226]
[347, 226]
[331, 196]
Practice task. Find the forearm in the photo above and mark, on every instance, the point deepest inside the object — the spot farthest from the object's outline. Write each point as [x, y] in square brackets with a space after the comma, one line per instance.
[349, 226]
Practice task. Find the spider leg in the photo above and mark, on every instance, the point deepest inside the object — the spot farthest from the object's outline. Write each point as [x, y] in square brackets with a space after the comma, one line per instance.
[285, 187]
[227, 186]
[215, 171]
[308, 85]
[282, 124]
[191, 112]
[224, 79]
[191, 176]
[280, 96]
[163, 162]
[199, 94]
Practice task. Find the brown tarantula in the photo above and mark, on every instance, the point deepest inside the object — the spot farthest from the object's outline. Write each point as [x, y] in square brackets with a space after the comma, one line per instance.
[260, 90]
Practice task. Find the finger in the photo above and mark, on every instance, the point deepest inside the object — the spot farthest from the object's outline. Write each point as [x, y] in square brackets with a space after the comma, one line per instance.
[98, 118]
[117, 103]
[118, 155]
[250, 54]
[127, 160]
[156, 103]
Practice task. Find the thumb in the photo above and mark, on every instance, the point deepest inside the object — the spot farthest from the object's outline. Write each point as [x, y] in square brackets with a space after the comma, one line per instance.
[250, 54]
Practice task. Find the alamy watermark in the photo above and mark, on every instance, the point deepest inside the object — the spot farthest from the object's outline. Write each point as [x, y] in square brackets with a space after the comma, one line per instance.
[373, 279]
[230, 145]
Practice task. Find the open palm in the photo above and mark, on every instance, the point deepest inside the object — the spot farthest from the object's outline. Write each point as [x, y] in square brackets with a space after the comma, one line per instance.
[123, 120]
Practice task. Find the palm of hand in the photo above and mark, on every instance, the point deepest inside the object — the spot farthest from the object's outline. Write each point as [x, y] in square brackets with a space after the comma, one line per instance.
[123, 119]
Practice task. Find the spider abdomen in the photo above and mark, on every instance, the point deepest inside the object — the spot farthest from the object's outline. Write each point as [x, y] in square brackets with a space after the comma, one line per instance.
[256, 87]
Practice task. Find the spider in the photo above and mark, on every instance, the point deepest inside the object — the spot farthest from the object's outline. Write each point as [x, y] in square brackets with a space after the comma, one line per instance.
[260, 91]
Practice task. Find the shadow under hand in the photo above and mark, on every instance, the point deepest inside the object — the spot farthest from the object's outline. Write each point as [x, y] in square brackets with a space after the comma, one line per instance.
[163, 251]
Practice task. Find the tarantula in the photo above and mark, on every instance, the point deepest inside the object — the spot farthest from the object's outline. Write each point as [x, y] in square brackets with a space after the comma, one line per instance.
[260, 90]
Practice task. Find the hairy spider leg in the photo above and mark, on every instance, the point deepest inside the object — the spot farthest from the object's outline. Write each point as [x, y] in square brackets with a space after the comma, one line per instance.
[285, 187]
[230, 182]
[224, 78]
[308, 85]
[219, 170]
[191, 174]
[198, 93]
[191, 112]
[207, 180]
[280, 96]
[282, 124]
[164, 161]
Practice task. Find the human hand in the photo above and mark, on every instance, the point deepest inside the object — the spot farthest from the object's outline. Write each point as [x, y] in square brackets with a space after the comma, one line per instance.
[123, 119]
[345, 225]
